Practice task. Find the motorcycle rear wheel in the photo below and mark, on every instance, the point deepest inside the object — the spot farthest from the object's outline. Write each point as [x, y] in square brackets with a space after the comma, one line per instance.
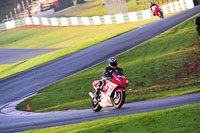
[95, 105]
[119, 99]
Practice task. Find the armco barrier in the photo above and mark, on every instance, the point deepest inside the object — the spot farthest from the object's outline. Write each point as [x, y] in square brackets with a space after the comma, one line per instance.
[98, 20]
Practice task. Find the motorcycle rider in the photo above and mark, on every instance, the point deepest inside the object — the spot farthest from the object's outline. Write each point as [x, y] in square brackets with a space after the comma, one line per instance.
[107, 74]
[153, 6]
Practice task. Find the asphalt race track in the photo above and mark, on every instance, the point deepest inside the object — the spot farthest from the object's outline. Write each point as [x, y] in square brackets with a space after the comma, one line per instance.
[12, 55]
[61, 14]
[30, 81]
[11, 123]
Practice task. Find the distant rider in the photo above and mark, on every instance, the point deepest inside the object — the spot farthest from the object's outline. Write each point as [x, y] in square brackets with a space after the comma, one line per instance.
[107, 74]
[153, 7]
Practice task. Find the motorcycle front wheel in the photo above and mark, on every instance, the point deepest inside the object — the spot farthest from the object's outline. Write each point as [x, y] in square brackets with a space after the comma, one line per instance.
[95, 105]
[119, 99]
[161, 15]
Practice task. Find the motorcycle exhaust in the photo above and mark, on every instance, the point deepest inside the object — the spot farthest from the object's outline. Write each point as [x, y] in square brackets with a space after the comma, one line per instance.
[91, 94]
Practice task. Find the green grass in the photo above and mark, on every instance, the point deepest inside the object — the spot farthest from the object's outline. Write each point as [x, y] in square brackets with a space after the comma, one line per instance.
[175, 120]
[155, 69]
[51, 37]
[89, 3]
[75, 38]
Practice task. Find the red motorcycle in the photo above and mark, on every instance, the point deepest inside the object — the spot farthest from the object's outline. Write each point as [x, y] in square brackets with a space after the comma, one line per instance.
[157, 11]
[112, 94]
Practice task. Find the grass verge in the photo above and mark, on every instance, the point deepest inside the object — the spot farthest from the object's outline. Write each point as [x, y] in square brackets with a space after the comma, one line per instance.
[180, 119]
[52, 37]
[162, 67]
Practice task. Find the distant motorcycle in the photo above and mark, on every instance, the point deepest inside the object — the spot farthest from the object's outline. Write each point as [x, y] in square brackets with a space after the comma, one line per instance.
[157, 11]
[113, 93]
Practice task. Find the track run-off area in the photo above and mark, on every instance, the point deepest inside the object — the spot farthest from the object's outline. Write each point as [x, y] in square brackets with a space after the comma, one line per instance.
[28, 82]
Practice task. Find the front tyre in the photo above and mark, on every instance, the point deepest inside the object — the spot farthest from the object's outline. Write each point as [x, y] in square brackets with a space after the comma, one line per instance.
[161, 15]
[95, 105]
[119, 99]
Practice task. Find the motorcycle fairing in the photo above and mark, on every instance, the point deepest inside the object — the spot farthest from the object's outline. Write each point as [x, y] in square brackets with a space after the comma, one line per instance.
[106, 94]
[118, 83]
[156, 11]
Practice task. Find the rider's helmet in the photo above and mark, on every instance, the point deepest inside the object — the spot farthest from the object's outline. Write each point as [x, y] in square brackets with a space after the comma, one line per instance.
[150, 3]
[112, 62]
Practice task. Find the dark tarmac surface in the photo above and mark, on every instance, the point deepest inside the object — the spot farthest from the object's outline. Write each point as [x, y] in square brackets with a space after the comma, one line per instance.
[30, 81]
[12, 123]
[61, 14]
[13, 55]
